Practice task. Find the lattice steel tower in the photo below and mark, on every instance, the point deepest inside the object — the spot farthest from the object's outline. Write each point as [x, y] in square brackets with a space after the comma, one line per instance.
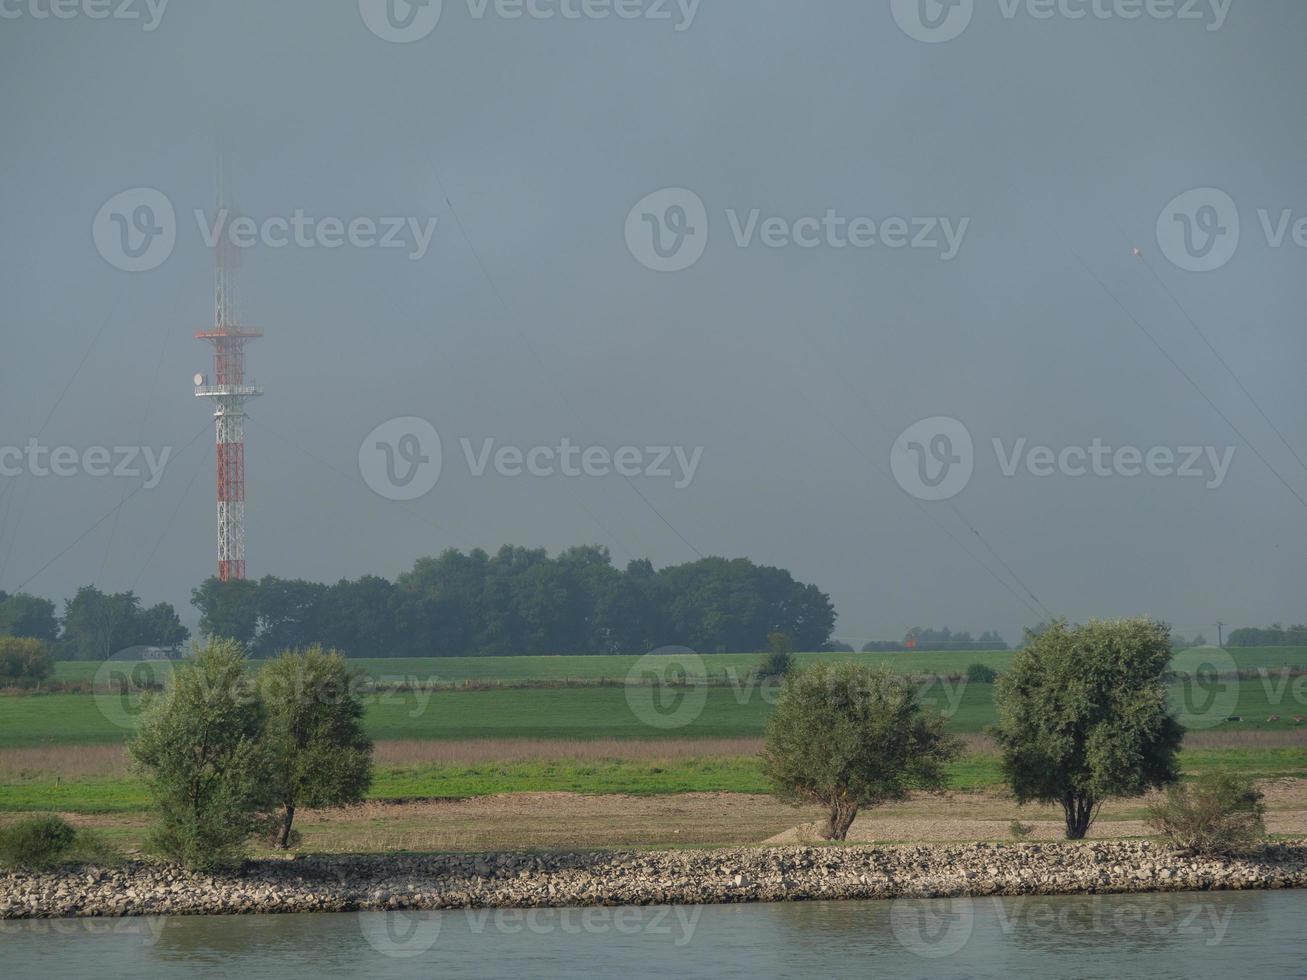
[228, 390]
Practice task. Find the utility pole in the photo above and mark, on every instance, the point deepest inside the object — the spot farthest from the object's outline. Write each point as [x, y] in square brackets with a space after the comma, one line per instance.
[1220, 635]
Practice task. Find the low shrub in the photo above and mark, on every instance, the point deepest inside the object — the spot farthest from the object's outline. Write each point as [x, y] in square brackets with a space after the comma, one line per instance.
[200, 752]
[1219, 813]
[36, 842]
[778, 664]
[91, 847]
[981, 674]
[1019, 830]
[24, 662]
[780, 657]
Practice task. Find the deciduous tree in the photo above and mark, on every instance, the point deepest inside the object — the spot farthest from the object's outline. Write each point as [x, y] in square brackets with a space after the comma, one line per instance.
[318, 751]
[848, 737]
[1083, 717]
[199, 748]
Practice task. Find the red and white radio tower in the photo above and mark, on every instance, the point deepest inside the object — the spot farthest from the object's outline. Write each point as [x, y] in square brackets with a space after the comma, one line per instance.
[228, 391]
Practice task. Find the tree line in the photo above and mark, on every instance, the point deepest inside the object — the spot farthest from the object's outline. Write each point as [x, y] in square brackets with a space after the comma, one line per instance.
[1274, 635]
[521, 601]
[94, 626]
[934, 640]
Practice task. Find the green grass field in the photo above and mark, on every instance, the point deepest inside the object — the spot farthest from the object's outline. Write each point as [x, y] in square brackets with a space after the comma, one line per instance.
[717, 665]
[615, 712]
[618, 667]
[729, 708]
[727, 774]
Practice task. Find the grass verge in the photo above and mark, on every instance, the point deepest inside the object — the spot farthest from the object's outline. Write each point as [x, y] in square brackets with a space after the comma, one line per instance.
[30, 790]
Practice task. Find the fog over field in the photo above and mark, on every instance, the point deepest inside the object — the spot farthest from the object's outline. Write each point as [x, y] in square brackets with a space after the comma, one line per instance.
[495, 228]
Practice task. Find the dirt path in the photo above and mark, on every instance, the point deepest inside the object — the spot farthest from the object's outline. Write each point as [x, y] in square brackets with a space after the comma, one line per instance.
[987, 816]
[560, 821]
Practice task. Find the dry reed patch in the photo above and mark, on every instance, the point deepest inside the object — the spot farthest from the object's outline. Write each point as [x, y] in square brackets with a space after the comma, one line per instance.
[553, 821]
[64, 760]
[1293, 738]
[549, 821]
[564, 821]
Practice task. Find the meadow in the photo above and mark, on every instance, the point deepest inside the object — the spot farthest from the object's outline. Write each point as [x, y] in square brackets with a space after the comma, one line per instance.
[519, 728]
[620, 769]
[718, 666]
[634, 712]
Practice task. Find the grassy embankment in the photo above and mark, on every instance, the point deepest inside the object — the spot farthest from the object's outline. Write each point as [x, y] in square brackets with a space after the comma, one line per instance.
[589, 739]
[97, 780]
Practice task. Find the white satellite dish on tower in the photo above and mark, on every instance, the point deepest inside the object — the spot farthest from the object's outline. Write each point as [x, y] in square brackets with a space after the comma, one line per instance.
[199, 381]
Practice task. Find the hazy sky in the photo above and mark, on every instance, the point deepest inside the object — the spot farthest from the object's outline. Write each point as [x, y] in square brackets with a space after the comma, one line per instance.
[1026, 156]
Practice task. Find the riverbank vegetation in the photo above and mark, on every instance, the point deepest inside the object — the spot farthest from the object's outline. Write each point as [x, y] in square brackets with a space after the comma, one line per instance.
[847, 738]
[1083, 717]
[500, 742]
[221, 751]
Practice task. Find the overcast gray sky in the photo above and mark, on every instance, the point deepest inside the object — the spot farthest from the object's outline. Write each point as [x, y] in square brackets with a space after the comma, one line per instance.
[1027, 154]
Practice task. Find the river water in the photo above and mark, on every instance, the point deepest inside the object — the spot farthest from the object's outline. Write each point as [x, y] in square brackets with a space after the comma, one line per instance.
[1218, 935]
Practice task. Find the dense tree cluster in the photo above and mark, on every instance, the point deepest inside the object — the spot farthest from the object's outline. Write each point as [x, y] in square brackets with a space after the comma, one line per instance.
[24, 662]
[1274, 635]
[28, 616]
[520, 601]
[95, 625]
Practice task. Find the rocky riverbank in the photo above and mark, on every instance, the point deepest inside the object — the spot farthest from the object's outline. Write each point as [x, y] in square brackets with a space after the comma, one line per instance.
[350, 883]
